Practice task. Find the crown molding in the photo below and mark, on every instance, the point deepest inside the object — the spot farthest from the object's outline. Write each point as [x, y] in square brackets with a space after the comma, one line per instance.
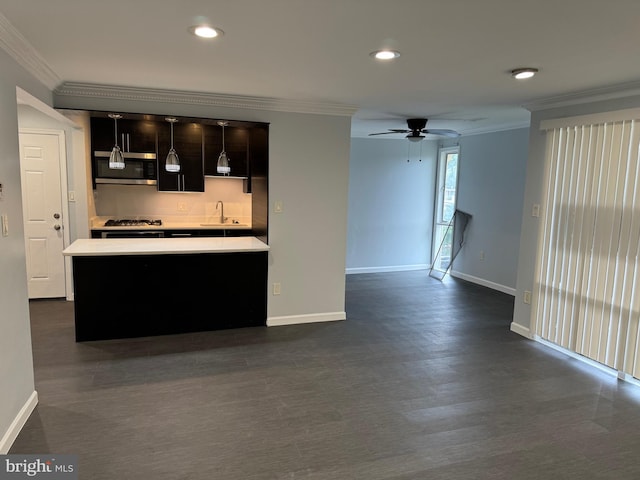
[586, 96]
[503, 127]
[72, 89]
[14, 43]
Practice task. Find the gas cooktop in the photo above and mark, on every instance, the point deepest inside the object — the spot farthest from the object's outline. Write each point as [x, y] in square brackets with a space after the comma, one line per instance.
[132, 223]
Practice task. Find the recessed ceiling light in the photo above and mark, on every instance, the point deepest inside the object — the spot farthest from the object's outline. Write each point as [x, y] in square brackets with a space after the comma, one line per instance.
[385, 54]
[205, 31]
[522, 73]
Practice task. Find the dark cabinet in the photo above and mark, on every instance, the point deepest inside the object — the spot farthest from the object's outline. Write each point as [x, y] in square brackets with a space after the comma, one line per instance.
[257, 156]
[168, 294]
[134, 135]
[236, 140]
[188, 143]
[139, 135]
[181, 233]
[257, 182]
[193, 233]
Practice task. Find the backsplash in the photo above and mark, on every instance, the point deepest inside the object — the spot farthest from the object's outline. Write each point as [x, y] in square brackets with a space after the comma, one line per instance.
[141, 201]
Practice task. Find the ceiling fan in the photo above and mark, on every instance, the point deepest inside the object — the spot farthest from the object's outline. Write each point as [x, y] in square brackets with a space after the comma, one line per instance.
[416, 128]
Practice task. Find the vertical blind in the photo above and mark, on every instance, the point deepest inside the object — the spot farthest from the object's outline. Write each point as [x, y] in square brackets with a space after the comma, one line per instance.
[588, 275]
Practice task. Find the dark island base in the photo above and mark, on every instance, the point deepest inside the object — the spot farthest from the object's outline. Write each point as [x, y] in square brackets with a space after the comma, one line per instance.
[143, 295]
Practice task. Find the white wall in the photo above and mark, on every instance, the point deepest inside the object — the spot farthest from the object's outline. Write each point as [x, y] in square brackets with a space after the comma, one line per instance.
[308, 172]
[533, 195]
[390, 204]
[491, 188]
[16, 363]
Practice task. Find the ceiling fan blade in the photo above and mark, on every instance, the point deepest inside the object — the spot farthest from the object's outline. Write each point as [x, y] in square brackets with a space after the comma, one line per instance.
[443, 132]
[392, 131]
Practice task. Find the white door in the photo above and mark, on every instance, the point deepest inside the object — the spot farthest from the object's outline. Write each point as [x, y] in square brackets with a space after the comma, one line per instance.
[42, 211]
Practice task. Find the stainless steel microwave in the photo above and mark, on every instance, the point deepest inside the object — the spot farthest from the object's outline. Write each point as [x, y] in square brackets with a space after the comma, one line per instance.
[139, 169]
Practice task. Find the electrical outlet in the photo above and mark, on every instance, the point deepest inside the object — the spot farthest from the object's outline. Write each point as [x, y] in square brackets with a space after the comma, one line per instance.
[182, 206]
[481, 254]
[527, 297]
[277, 206]
[4, 219]
[276, 288]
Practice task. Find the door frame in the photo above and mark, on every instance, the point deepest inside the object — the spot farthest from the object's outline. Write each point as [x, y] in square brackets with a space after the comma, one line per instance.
[62, 153]
[440, 174]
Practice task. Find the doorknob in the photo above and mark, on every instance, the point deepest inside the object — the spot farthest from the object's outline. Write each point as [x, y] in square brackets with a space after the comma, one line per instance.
[57, 227]
[56, 216]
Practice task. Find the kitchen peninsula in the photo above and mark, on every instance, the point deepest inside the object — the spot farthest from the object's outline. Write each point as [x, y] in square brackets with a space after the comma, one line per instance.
[142, 287]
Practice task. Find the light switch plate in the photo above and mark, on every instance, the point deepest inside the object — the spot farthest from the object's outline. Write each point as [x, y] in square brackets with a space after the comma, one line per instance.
[535, 210]
[5, 225]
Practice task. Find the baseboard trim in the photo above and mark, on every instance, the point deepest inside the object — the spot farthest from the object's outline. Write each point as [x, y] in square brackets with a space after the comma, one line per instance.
[484, 283]
[14, 429]
[308, 318]
[390, 268]
[520, 330]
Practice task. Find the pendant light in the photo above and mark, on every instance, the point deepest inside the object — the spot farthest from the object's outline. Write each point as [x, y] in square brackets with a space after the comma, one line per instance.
[172, 164]
[116, 159]
[223, 160]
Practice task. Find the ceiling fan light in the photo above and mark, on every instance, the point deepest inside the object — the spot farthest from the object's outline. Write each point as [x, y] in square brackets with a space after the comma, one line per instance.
[415, 138]
[385, 54]
[522, 73]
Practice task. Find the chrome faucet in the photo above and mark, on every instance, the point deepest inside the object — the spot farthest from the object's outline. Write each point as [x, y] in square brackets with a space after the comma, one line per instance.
[222, 217]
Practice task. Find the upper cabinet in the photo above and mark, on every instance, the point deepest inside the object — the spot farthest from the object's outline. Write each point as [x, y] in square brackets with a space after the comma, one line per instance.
[146, 140]
[133, 135]
[257, 182]
[236, 138]
[188, 144]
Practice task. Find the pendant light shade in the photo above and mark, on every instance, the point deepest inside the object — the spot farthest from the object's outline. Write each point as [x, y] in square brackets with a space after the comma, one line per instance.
[223, 161]
[116, 159]
[172, 164]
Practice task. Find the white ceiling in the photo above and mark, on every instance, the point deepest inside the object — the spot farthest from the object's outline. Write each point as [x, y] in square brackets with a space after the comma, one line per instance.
[455, 63]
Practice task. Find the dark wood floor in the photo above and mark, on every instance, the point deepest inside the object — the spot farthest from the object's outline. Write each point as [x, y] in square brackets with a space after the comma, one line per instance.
[423, 381]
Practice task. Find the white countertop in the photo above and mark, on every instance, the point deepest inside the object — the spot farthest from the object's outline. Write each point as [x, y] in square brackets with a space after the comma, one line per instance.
[98, 247]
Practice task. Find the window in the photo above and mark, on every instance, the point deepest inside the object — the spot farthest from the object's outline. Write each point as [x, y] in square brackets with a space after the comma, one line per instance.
[447, 184]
